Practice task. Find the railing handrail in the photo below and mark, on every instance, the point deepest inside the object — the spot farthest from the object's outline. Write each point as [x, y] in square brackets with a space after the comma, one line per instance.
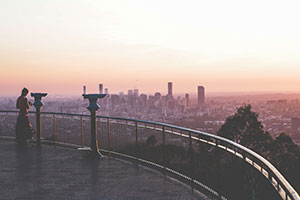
[264, 161]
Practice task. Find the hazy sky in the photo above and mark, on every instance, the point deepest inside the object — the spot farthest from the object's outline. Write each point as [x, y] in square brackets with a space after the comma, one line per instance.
[228, 46]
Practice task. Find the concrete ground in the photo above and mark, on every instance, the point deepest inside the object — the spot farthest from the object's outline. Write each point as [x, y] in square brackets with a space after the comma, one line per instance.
[60, 173]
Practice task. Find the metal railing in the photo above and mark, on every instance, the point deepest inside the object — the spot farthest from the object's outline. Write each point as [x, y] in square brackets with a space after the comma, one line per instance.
[123, 137]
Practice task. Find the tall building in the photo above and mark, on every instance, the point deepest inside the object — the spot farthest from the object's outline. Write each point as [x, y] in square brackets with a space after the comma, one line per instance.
[157, 96]
[170, 89]
[136, 92]
[100, 88]
[143, 98]
[105, 100]
[115, 100]
[84, 89]
[201, 96]
[186, 100]
[130, 92]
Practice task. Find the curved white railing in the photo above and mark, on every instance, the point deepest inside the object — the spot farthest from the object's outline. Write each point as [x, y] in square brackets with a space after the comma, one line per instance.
[191, 137]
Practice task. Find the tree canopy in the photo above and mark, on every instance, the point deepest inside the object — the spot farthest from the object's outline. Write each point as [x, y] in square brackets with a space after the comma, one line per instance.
[244, 128]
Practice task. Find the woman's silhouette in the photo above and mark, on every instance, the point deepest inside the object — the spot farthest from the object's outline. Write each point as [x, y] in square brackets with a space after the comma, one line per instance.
[23, 127]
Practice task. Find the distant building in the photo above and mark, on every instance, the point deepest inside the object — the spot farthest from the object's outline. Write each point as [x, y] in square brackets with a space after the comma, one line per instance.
[201, 97]
[186, 100]
[271, 102]
[84, 89]
[130, 93]
[151, 102]
[170, 89]
[295, 123]
[100, 88]
[282, 101]
[136, 92]
[143, 98]
[143, 101]
[106, 90]
[157, 96]
[294, 101]
[115, 100]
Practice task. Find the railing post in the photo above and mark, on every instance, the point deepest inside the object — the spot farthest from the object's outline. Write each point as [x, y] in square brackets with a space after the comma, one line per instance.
[136, 142]
[218, 179]
[108, 132]
[270, 178]
[164, 148]
[81, 131]
[54, 128]
[277, 186]
[38, 104]
[191, 161]
[93, 107]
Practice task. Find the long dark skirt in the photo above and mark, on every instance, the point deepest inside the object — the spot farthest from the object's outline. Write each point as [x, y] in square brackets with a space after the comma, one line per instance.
[24, 129]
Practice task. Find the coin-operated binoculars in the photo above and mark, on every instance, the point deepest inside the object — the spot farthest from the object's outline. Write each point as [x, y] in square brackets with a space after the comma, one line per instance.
[38, 104]
[93, 107]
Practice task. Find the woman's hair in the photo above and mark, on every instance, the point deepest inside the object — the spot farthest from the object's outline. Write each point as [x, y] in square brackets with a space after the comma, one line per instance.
[24, 91]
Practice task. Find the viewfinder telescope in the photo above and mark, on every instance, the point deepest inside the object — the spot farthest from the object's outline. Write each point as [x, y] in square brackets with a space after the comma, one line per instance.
[38, 104]
[37, 99]
[93, 106]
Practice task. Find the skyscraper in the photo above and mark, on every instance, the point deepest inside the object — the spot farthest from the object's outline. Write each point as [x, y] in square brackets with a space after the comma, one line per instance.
[157, 96]
[170, 89]
[186, 100]
[136, 92]
[84, 89]
[100, 88]
[201, 97]
[130, 92]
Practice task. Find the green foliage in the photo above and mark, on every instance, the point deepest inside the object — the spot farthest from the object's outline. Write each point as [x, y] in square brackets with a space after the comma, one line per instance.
[244, 128]
[285, 155]
[169, 155]
[151, 141]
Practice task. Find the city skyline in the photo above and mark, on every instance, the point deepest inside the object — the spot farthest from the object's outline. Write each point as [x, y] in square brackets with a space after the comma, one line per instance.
[48, 46]
[137, 92]
[193, 92]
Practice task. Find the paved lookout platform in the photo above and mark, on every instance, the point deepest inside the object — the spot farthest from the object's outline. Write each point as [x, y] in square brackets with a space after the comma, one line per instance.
[60, 173]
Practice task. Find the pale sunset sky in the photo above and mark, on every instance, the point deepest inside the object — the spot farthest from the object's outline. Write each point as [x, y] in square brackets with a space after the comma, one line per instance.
[58, 46]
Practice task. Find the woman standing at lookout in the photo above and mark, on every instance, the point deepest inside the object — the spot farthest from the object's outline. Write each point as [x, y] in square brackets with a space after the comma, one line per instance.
[23, 127]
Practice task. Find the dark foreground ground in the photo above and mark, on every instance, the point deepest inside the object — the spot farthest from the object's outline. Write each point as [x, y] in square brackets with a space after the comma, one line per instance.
[60, 173]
